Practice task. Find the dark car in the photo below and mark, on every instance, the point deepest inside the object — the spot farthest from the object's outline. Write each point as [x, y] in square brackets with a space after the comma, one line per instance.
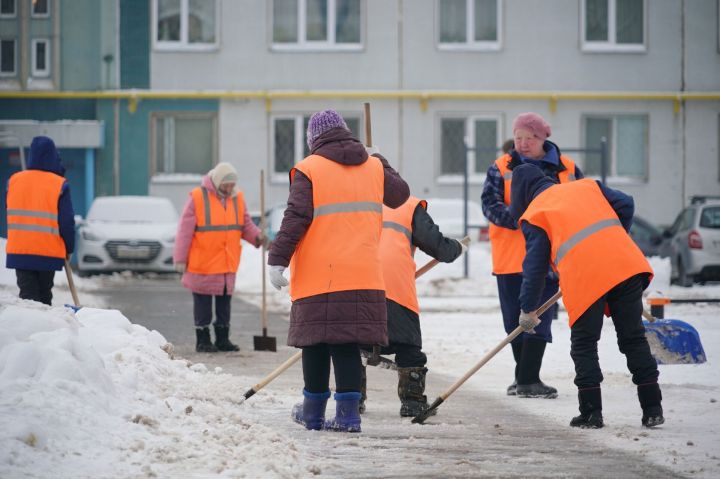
[649, 238]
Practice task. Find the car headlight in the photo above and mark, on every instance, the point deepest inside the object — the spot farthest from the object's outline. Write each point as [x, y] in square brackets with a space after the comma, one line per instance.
[90, 236]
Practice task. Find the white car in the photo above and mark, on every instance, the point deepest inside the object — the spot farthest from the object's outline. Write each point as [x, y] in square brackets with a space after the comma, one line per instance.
[448, 215]
[135, 233]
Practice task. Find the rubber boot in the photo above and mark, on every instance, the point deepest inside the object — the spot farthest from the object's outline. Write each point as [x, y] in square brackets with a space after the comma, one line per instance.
[311, 412]
[411, 389]
[203, 344]
[517, 354]
[590, 405]
[363, 389]
[528, 379]
[222, 340]
[650, 398]
[347, 413]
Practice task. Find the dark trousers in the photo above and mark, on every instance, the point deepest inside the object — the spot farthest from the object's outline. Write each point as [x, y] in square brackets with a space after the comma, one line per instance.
[625, 303]
[509, 293]
[406, 355]
[202, 309]
[35, 285]
[346, 364]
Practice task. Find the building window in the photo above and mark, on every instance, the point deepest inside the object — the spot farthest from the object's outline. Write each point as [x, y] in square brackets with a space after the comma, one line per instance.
[184, 142]
[613, 25]
[40, 8]
[40, 58]
[8, 55]
[469, 24]
[185, 24]
[627, 145]
[289, 141]
[316, 24]
[482, 134]
[8, 8]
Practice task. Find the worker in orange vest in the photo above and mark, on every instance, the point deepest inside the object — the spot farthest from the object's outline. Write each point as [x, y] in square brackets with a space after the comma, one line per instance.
[41, 221]
[330, 238]
[208, 249]
[405, 229]
[580, 228]
[530, 145]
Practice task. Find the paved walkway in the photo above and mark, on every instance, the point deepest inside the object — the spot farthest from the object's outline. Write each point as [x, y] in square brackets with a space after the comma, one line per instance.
[475, 434]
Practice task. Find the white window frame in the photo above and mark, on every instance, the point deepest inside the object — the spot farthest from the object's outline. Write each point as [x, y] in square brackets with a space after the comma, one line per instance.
[33, 58]
[175, 115]
[611, 44]
[298, 140]
[14, 73]
[474, 178]
[13, 14]
[183, 44]
[470, 43]
[612, 175]
[330, 45]
[41, 15]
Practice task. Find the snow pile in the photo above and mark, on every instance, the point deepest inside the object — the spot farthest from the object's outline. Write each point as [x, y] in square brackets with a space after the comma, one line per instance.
[94, 392]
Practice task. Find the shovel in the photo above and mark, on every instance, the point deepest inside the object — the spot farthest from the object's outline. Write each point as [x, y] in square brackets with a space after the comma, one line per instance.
[71, 285]
[264, 342]
[420, 418]
[673, 341]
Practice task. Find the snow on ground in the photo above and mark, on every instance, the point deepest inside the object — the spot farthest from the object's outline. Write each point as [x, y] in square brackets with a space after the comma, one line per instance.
[93, 392]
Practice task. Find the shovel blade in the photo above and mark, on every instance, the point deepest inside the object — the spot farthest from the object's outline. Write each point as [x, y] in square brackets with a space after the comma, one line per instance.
[265, 343]
[674, 342]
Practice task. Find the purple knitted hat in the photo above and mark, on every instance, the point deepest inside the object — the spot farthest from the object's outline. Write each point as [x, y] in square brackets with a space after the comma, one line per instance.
[321, 122]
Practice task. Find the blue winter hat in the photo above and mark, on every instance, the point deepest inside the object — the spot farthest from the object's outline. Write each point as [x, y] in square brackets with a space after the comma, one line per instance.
[321, 122]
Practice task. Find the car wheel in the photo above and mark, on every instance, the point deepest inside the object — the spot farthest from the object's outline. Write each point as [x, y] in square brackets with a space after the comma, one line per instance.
[684, 279]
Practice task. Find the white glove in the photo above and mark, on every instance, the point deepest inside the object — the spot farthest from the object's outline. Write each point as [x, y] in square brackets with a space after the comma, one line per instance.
[528, 321]
[276, 277]
[180, 267]
[463, 246]
[371, 150]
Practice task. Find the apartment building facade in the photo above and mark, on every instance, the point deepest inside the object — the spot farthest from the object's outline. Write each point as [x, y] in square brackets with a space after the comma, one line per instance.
[194, 82]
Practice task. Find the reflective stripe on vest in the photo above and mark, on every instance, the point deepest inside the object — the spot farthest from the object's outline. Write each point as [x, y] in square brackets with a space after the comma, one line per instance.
[32, 214]
[339, 251]
[397, 253]
[508, 246]
[208, 217]
[216, 245]
[590, 249]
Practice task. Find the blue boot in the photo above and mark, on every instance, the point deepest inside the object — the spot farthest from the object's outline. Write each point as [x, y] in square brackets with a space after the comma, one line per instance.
[311, 412]
[347, 413]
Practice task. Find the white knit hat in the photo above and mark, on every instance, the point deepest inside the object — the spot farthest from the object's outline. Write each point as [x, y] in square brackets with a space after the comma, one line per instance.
[223, 173]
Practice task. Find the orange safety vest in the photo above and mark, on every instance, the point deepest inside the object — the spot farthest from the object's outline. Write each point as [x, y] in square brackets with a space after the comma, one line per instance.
[339, 251]
[397, 253]
[590, 249]
[32, 214]
[216, 245]
[508, 246]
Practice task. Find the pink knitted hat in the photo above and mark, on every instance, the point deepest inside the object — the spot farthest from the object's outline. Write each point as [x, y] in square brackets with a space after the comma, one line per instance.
[321, 122]
[533, 123]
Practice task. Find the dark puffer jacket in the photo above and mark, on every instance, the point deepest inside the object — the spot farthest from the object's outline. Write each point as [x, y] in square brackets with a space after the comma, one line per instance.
[357, 316]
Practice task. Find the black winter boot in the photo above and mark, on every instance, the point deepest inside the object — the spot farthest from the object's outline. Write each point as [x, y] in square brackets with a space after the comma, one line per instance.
[590, 405]
[363, 389]
[222, 342]
[411, 389]
[528, 378]
[517, 354]
[203, 344]
[651, 402]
